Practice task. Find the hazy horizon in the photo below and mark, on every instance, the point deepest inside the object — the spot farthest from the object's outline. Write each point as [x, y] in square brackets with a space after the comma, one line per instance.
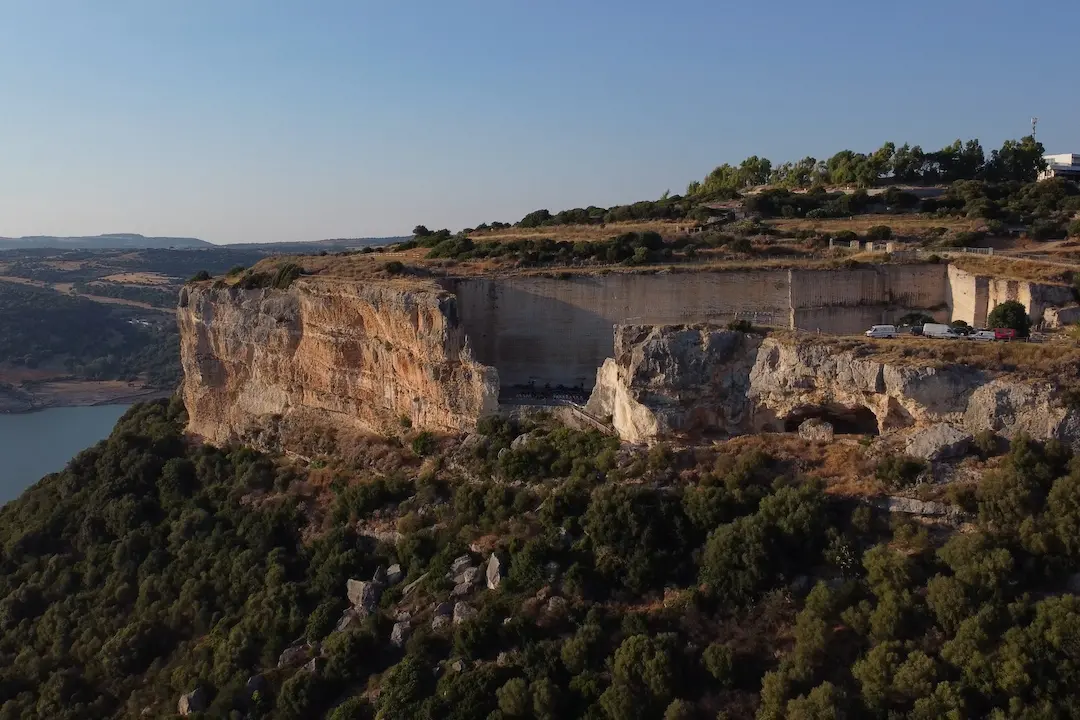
[255, 121]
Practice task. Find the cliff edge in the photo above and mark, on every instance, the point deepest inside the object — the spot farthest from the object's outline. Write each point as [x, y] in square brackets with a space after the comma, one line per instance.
[265, 366]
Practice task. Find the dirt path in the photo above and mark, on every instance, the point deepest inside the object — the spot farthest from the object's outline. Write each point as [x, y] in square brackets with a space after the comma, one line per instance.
[65, 289]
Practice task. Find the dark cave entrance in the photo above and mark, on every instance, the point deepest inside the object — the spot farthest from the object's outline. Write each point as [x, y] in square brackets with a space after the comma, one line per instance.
[845, 420]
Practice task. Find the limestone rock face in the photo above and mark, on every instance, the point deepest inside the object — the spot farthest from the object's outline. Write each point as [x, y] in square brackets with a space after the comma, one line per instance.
[698, 380]
[494, 572]
[939, 442]
[265, 366]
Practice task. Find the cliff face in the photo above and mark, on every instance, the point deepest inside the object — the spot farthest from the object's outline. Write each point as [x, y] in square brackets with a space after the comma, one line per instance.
[701, 381]
[327, 356]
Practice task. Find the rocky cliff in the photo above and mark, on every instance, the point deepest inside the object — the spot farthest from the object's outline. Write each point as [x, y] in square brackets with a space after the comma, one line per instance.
[701, 381]
[327, 356]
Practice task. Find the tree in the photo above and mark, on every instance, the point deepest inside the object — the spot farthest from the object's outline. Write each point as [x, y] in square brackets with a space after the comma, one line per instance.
[1010, 314]
[1017, 161]
[421, 231]
[514, 698]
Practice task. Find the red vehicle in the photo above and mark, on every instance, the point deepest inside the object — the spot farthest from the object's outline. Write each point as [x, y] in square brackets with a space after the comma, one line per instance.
[1004, 334]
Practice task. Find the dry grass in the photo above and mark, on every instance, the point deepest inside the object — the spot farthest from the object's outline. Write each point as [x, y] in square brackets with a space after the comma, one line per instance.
[907, 224]
[1014, 268]
[586, 233]
[138, 278]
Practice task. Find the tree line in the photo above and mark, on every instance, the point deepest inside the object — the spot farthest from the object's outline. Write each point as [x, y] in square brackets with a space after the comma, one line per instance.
[1015, 161]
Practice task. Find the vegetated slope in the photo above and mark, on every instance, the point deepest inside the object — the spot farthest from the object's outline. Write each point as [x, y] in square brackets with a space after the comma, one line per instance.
[675, 584]
[42, 329]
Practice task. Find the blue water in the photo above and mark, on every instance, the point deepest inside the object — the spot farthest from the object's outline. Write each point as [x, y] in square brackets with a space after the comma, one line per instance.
[35, 444]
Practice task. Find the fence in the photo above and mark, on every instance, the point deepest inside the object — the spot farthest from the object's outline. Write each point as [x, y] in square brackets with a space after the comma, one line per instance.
[945, 252]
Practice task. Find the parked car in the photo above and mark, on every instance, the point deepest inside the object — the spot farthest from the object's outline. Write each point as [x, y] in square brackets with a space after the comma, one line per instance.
[983, 336]
[939, 330]
[881, 331]
[1004, 334]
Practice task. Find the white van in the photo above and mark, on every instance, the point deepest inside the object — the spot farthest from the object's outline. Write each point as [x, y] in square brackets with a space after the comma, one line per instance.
[939, 330]
[882, 331]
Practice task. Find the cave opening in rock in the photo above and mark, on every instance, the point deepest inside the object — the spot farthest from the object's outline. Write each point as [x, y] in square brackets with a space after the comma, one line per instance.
[845, 420]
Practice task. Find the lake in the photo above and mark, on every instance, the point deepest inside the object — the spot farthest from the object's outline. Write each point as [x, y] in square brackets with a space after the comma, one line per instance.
[32, 445]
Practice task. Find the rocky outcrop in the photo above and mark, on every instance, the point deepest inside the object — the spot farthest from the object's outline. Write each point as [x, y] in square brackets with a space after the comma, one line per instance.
[260, 365]
[701, 381]
[364, 596]
[192, 702]
[939, 442]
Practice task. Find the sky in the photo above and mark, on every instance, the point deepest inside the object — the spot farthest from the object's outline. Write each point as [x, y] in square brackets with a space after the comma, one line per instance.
[287, 120]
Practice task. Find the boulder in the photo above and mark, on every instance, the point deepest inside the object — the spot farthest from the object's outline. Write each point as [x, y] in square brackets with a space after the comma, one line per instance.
[349, 618]
[463, 612]
[815, 429]
[364, 596]
[194, 701]
[399, 634]
[494, 572]
[413, 585]
[939, 442]
[439, 622]
[459, 565]
[394, 574]
[444, 609]
[469, 576]
[459, 665]
[921, 508]
[521, 441]
[293, 655]
[313, 665]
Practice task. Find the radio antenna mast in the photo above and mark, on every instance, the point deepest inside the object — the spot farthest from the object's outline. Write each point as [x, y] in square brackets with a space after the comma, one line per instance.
[1034, 122]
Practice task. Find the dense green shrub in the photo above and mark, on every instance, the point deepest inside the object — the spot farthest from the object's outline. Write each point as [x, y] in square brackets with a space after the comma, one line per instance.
[899, 471]
[1010, 314]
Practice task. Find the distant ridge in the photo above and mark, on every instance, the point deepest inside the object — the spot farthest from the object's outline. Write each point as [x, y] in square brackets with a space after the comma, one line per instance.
[101, 242]
[309, 246]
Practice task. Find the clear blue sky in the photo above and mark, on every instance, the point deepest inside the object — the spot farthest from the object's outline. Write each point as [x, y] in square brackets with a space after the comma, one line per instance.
[267, 120]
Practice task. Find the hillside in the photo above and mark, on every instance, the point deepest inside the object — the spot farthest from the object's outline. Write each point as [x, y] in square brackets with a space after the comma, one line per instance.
[677, 582]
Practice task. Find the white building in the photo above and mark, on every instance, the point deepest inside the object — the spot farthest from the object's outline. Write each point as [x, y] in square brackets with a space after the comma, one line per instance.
[1065, 165]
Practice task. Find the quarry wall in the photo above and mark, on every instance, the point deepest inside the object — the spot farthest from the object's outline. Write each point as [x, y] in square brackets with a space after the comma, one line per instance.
[558, 330]
[971, 297]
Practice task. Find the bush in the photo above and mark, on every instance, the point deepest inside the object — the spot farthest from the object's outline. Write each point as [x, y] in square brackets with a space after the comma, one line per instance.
[1074, 229]
[200, 276]
[879, 232]
[743, 326]
[1010, 314]
[285, 275]
[423, 444]
[899, 471]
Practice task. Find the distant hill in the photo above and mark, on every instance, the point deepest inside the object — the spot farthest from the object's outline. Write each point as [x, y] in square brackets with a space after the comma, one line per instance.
[310, 246]
[101, 242]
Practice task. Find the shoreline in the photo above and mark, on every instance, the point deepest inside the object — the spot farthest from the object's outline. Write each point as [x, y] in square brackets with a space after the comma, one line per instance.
[46, 396]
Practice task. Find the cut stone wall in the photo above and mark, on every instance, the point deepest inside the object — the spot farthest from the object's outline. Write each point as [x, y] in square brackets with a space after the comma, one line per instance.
[558, 330]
